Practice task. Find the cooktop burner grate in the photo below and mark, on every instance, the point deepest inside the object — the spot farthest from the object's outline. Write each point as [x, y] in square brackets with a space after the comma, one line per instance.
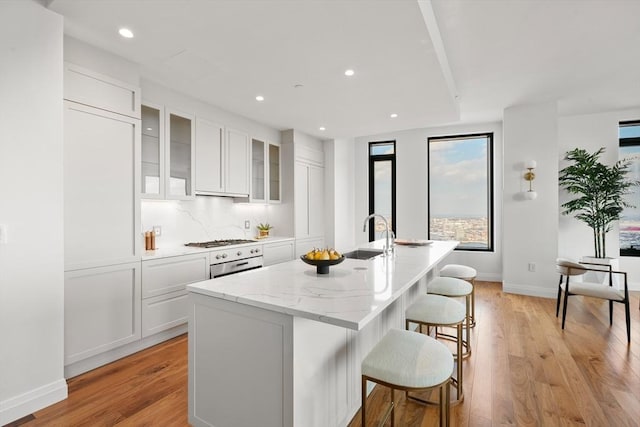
[217, 243]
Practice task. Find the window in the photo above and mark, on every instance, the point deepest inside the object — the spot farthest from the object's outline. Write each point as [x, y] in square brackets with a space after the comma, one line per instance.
[629, 136]
[461, 190]
[382, 187]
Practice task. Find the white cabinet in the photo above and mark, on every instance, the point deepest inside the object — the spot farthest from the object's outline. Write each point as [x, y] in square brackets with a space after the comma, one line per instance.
[180, 155]
[265, 172]
[168, 153]
[164, 297]
[101, 310]
[222, 160]
[237, 171]
[210, 157]
[152, 151]
[101, 187]
[309, 200]
[277, 252]
[274, 182]
[90, 88]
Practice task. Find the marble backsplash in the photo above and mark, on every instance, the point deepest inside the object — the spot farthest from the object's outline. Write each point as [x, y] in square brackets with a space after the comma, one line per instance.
[203, 219]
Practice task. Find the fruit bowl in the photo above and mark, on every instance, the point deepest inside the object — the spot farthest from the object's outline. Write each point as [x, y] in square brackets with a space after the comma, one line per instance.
[322, 265]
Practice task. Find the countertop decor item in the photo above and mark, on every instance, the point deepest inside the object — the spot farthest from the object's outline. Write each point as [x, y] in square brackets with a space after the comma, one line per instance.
[322, 265]
[599, 192]
[263, 229]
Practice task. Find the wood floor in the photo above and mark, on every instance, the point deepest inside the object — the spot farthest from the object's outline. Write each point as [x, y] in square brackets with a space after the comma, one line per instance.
[524, 371]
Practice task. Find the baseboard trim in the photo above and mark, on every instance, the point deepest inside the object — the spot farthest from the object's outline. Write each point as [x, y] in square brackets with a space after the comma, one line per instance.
[534, 291]
[101, 359]
[489, 277]
[27, 403]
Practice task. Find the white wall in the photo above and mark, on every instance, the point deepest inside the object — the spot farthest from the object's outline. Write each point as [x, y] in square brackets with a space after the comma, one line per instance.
[339, 194]
[31, 203]
[592, 131]
[530, 227]
[412, 189]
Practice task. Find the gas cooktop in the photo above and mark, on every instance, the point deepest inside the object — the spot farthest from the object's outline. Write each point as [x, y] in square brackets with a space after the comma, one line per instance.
[217, 243]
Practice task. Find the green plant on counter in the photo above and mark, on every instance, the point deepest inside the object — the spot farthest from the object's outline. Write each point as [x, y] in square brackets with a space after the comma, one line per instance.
[264, 227]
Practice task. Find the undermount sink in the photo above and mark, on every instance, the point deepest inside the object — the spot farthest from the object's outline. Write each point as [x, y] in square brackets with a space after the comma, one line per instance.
[363, 253]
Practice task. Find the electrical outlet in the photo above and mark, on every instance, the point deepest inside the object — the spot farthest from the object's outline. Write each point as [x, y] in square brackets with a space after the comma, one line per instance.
[532, 266]
[3, 234]
[247, 224]
[157, 230]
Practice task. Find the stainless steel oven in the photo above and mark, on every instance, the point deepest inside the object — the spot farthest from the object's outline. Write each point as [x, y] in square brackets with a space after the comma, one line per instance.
[238, 255]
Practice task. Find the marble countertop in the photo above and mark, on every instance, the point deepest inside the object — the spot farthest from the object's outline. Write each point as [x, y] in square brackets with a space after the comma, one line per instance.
[352, 294]
[177, 250]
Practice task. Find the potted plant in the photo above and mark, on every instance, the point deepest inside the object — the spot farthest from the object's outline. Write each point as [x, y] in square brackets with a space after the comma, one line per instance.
[264, 229]
[599, 192]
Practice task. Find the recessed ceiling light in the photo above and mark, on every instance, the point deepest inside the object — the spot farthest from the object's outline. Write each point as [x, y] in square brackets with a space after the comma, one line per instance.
[126, 33]
[149, 129]
[349, 73]
[259, 98]
[394, 115]
[322, 128]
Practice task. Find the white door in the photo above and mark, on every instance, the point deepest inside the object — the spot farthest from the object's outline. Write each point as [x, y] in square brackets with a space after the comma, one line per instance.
[101, 187]
[301, 199]
[209, 157]
[316, 201]
[237, 162]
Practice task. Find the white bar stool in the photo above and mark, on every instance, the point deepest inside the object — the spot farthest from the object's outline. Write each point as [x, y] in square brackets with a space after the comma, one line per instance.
[467, 273]
[455, 288]
[408, 361]
[436, 310]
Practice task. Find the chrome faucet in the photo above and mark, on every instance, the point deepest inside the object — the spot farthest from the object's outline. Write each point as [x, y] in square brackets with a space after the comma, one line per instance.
[388, 248]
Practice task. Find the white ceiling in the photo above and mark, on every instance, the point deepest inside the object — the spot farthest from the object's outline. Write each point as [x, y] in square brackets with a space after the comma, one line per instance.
[582, 53]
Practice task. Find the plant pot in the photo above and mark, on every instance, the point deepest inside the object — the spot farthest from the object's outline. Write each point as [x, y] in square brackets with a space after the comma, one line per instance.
[264, 233]
[594, 277]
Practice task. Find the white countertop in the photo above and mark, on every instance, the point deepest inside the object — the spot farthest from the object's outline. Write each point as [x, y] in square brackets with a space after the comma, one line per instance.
[170, 251]
[353, 293]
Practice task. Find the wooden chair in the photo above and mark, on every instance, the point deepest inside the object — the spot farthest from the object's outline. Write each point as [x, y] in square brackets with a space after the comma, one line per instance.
[568, 269]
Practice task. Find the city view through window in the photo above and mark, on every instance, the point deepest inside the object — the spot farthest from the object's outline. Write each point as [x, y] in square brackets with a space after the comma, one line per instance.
[629, 135]
[460, 190]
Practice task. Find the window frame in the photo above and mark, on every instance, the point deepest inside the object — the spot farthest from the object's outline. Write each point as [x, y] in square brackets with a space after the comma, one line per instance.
[628, 142]
[372, 159]
[490, 186]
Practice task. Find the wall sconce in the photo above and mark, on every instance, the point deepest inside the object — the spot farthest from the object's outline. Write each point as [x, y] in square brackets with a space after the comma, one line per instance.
[530, 176]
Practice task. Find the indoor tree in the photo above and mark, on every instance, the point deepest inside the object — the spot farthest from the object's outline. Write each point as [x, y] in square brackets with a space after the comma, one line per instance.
[599, 191]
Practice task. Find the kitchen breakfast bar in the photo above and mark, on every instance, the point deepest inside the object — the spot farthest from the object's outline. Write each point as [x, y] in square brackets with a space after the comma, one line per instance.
[282, 345]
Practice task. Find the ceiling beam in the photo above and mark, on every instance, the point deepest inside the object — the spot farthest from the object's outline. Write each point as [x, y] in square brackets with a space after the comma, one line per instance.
[426, 7]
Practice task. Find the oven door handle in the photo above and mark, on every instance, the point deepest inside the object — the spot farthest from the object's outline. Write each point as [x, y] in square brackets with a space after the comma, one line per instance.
[241, 264]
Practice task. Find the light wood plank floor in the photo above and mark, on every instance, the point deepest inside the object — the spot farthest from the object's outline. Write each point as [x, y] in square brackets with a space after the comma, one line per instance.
[524, 371]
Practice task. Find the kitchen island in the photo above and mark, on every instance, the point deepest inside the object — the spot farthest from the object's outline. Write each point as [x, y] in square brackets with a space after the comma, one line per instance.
[282, 345]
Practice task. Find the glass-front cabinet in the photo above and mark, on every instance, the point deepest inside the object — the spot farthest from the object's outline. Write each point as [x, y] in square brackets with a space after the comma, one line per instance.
[180, 156]
[152, 151]
[274, 173]
[265, 172]
[258, 155]
[167, 153]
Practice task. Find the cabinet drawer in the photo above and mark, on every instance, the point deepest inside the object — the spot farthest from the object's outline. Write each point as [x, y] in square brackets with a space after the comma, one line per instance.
[274, 253]
[173, 274]
[164, 312]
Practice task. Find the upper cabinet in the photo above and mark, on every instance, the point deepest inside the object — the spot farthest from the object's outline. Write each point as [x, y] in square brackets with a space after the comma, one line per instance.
[210, 155]
[274, 173]
[265, 172]
[168, 153]
[222, 160]
[152, 151]
[180, 155]
[237, 173]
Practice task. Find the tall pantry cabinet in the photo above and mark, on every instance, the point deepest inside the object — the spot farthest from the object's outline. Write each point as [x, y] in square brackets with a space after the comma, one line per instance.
[102, 214]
